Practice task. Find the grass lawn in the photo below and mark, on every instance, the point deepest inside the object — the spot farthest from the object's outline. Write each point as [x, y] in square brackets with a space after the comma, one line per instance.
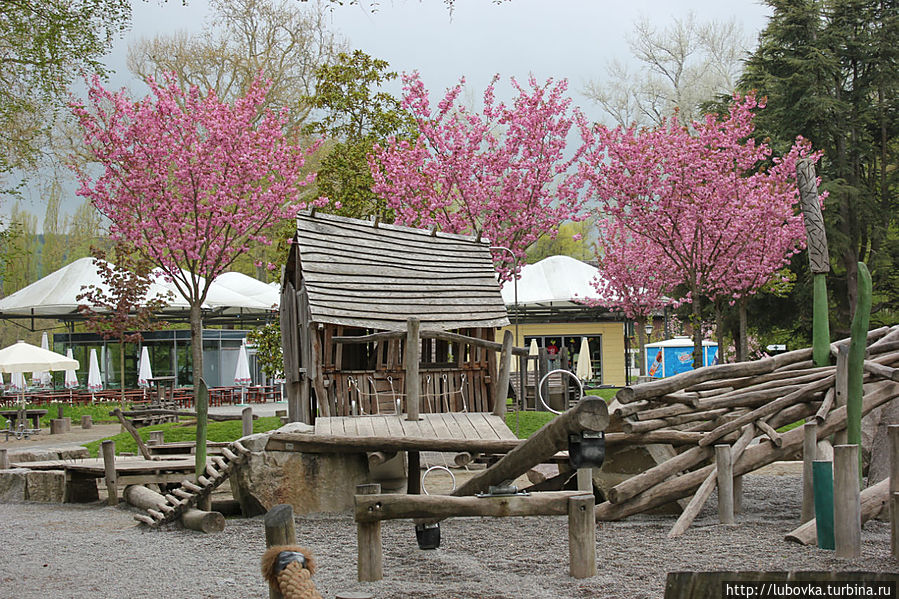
[186, 431]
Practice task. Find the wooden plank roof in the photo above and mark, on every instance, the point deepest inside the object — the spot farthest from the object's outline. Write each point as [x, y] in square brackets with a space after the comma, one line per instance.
[356, 274]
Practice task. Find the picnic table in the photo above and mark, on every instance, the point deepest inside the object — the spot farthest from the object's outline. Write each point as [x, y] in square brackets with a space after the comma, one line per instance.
[31, 414]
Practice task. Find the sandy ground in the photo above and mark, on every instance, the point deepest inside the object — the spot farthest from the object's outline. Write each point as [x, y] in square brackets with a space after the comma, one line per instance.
[82, 551]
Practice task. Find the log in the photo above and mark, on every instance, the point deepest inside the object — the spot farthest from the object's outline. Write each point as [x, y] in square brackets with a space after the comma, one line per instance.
[191, 486]
[770, 432]
[581, 536]
[340, 444]
[191, 518]
[57, 426]
[724, 467]
[767, 409]
[279, 530]
[369, 558]
[107, 449]
[144, 452]
[411, 361]
[683, 380]
[893, 436]
[375, 508]
[873, 501]
[753, 458]
[651, 425]
[881, 371]
[376, 458]
[663, 412]
[179, 413]
[708, 484]
[753, 397]
[465, 458]
[826, 405]
[86, 421]
[620, 410]
[809, 455]
[429, 334]
[649, 478]
[846, 502]
[246, 420]
[505, 371]
[589, 414]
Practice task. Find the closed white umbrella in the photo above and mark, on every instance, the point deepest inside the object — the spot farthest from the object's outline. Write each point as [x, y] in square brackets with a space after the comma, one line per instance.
[23, 357]
[533, 350]
[144, 372]
[71, 380]
[242, 372]
[42, 378]
[94, 381]
[584, 369]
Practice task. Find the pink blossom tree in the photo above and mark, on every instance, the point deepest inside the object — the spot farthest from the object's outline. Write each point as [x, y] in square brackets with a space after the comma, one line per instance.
[190, 182]
[704, 198]
[503, 173]
[632, 276]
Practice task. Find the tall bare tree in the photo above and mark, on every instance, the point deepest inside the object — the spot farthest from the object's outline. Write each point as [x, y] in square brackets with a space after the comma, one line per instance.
[285, 39]
[679, 67]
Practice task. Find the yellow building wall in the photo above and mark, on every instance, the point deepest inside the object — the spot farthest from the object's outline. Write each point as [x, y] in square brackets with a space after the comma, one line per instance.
[612, 342]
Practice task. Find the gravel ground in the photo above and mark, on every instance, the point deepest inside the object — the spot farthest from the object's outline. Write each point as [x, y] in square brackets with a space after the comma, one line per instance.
[80, 551]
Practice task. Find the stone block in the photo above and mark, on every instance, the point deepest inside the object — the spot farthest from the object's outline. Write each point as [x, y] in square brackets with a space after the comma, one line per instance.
[12, 485]
[73, 453]
[33, 455]
[310, 482]
[297, 427]
[255, 442]
[47, 486]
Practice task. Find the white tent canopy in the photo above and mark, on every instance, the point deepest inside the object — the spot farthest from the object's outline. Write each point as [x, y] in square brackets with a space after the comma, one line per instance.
[557, 281]
[54, 295]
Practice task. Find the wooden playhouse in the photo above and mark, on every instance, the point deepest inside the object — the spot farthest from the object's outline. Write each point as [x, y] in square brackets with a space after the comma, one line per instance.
[349, 289]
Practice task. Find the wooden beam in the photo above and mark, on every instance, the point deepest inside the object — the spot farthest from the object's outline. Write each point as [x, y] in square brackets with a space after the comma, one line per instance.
[346, 444]
[429, 334]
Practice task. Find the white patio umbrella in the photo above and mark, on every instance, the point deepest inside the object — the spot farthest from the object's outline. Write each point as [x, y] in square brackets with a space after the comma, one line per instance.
[94, 380]
[23, 357]
[42, 378]
[242, 372]
[533, 350]
[144, 372]
[71, 378]
[584, 369]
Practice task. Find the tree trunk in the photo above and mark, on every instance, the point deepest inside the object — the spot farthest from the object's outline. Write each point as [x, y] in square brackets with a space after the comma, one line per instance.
[719, 330]
[641, 344]
[201, 400]
[744, 335]
[122, 371]
[696, 322]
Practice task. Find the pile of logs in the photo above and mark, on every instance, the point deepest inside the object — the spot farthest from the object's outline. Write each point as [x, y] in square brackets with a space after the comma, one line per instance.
[736, 404]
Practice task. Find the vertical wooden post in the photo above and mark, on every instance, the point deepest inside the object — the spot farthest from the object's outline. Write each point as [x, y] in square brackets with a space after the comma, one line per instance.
[841, 388]
[563, 364]
[585, 479]
[4, 459]
[857, 345]
[846, 502]
[59, 411]
[246, 419]
[279, 530]
[809, 455]
[369, 558]
[86, 421]
[542, 369]
[582, 536]
[725, 484]
[822, 476]
[893, 435]
[107, 448]
[411, 359]
[156, 438]
[505, 371]
[738, 495]
[413, 482]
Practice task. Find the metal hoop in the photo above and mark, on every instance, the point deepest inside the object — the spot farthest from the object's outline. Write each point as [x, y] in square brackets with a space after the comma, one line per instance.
[428, 471]
[580, 387]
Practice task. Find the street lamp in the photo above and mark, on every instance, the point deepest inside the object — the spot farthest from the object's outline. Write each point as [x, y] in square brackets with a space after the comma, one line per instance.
[648, 329]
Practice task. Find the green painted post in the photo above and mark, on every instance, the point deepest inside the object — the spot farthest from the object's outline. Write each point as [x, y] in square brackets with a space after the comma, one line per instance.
[820, 322]
[822, 479]
[857, 346]
[202, 411]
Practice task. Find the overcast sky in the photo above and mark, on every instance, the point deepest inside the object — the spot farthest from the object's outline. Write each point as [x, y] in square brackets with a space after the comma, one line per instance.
[571, 39]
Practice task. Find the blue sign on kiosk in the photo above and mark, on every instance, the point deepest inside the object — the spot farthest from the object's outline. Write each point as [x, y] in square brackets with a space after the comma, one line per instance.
[672, 356]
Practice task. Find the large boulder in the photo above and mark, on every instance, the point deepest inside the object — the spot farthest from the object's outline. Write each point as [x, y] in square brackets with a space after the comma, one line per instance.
[310, 482]
[44, 455]
[875, 441]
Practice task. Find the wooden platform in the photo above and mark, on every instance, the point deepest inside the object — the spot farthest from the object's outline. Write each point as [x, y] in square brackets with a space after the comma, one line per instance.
[441, 426]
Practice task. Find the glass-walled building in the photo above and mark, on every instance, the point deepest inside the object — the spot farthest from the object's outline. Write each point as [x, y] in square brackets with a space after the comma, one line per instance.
[169, 352]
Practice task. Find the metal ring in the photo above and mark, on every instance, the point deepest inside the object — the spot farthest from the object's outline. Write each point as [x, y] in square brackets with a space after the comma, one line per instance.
[428, 471]
[580, 386]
